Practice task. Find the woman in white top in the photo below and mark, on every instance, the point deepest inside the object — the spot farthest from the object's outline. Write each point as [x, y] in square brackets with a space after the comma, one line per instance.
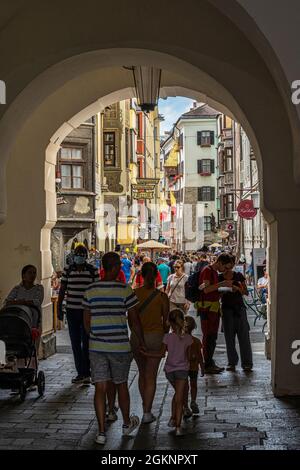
[27, 292]
[175, 288]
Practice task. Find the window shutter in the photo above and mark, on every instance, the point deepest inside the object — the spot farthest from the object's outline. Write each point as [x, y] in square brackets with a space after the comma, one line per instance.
[212, 193]
[200, 197]
[212, 166]
[212, 137]
[199, 166]
[199, 137]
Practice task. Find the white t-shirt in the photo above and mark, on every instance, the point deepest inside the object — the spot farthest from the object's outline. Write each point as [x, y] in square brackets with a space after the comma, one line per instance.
[177, 294]
[263, 281]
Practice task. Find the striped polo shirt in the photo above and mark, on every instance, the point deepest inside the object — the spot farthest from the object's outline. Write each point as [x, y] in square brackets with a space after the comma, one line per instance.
[108, 302]
[77, 283]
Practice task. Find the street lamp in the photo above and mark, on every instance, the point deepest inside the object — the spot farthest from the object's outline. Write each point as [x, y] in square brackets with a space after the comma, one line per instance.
[256, 199]
[147, 85]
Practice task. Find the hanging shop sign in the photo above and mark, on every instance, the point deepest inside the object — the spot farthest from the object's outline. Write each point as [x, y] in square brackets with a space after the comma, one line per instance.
[141, 191]
[246, 209]
[148, 181]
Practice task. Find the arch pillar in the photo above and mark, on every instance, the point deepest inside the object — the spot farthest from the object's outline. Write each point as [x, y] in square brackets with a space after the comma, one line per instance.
[284, 311]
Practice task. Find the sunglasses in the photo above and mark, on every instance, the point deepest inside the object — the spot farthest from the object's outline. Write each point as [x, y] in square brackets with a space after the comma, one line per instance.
[177, 267]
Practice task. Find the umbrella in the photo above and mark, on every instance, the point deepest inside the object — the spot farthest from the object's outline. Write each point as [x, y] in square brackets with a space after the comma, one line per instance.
[153, 245]
[215, 245]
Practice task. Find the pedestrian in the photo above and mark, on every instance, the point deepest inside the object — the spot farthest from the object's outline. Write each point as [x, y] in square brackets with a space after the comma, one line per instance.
[126, 267]
[75, 279]
[172, 262]
[196, 360]
[202, 263]
[164, 271]
[175, 288]
[209, 308]
[188, 265]
[139, 280]
[262, 286]
[106, 304]
[177, 344]
[235, 322]
[153, 311]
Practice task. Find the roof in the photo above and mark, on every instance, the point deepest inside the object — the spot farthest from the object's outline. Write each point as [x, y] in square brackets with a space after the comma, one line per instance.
[202, 111]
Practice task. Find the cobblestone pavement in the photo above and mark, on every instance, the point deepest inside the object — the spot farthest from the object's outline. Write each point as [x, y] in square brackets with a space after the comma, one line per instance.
[237, 411]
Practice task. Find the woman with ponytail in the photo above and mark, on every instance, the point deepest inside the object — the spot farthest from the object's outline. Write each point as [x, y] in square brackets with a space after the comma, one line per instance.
[178, 344]
[153, 310]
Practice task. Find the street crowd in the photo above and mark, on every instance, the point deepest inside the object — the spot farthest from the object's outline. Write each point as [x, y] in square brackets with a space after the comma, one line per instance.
[134, 308]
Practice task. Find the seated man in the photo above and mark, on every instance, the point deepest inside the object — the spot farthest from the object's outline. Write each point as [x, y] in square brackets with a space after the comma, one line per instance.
[262, 286]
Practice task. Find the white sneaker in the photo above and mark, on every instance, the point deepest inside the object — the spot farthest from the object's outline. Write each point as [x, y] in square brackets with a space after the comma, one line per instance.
[187, 413]
[179, 432]
[148, 418]
[112, 416]
[134, 423]
[171, 423]
[100, 438]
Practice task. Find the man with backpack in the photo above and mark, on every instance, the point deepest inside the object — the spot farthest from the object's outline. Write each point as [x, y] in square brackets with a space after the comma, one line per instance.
[209, 308]
[74, 282]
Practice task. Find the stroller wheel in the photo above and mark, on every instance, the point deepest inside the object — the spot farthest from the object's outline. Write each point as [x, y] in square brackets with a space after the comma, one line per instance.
[41, 383]
[22, 391]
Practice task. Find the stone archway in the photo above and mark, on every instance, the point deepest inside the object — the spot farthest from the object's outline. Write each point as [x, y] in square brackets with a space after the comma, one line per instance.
[80, 75]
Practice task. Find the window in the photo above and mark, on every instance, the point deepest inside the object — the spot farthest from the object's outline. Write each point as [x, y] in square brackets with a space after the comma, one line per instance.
[72, 176]
[206, 166]
[206, 193]
[71, 153]
[228, 164]
[180, 141]
[207, 223]
[109, 141]
[71, 161]
[205, 138]
[229, 206]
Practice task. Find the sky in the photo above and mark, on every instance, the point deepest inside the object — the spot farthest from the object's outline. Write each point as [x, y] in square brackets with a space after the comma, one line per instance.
[171, 109]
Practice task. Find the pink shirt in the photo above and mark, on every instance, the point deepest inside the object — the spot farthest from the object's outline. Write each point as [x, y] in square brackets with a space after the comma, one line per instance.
[177, 351]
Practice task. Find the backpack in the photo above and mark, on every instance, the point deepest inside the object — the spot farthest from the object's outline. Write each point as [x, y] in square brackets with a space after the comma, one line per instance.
[191, 287]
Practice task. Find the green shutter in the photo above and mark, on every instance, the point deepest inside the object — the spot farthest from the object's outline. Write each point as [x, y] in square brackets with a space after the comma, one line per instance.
[199, 137]
[212, 166]
[212, 137]
[200, 196]
[199, 162]
[212, 193]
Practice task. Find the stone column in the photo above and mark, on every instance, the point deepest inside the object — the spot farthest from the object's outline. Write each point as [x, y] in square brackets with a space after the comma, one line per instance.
[285, 311]
[25, 233]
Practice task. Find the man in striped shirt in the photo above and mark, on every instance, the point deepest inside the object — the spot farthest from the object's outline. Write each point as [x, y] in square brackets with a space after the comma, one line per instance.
[106, 304]
[75, 280]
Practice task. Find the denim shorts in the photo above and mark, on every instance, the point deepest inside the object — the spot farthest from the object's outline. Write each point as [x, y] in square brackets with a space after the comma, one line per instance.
[177, 375]
[110, 366]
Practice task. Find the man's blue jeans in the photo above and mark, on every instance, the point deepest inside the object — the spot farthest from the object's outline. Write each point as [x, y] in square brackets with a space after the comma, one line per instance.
[79, 341]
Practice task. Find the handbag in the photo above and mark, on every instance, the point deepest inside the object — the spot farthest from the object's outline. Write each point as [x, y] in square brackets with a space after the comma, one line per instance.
[148, 301]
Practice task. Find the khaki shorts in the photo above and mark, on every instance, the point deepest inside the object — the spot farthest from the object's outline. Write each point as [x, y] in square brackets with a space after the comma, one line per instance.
[153, 341]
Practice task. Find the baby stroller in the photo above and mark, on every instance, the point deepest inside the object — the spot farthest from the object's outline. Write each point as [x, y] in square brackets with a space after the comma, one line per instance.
[16, 323]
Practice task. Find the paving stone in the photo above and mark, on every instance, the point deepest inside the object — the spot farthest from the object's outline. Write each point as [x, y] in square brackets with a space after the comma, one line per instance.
[236, 412]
